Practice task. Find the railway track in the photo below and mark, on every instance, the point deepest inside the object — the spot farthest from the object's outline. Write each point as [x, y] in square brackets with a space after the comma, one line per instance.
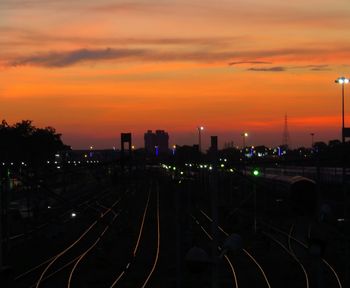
[240, 260]
[139, 269]
[72, 253]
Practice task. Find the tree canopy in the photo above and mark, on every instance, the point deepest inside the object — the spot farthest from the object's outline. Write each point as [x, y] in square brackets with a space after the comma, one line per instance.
[23, 141]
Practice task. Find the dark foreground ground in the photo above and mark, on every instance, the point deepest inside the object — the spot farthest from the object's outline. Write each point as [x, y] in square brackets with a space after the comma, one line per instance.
[149, 228]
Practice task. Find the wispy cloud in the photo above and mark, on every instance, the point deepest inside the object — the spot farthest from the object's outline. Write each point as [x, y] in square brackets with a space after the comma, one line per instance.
[27, 4]
[70, 58]
[321, 67]
[161, 53]
[248, 62]
[63, 59]
[268, 69]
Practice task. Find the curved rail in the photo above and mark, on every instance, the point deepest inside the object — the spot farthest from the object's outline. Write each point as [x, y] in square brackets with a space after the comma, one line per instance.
[119, 277]
[220, 249]
[55, 258]
[244, 250]
[306, 247]
[158, 244]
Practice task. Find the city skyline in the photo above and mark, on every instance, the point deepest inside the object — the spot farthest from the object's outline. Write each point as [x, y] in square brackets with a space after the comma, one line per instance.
[94, 69]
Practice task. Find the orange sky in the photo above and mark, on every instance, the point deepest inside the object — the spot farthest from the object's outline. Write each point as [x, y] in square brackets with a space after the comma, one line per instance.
[94, 69]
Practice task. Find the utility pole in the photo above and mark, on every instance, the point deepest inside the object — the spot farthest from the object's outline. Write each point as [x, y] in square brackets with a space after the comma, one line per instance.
[285, 136]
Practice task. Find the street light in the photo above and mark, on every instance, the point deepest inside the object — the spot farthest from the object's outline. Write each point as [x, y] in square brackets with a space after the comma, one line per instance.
[244, 135]
[342, 81]
[200, 129]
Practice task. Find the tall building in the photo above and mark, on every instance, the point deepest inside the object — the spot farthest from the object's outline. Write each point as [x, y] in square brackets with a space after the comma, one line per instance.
[157, 142]
[150, 141]
[214, 143]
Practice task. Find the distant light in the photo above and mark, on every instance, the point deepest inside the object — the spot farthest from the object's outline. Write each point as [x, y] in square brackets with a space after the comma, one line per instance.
[182, 173]
[91, 147]
[222, 165]
[210, 168]
[73, 215]
[58, 167]
[202, 128]
[133, 147]
[49, 207]
[11, 163]
[256, 172]
[174, 168]
[225, 160]
[231, 170]
[341, 220]
[245, 134]
[342, 80]
[174, 146]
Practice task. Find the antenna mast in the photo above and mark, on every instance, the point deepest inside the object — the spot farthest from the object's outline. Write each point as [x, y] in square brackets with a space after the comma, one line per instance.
[286, 137]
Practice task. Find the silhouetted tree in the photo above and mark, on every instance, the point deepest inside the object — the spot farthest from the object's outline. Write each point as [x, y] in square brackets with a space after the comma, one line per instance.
[24, 142]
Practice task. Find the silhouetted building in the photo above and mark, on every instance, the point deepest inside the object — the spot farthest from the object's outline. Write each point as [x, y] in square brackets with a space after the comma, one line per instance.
[150, 141]
[125, 138]
[214, 144]
[157, 142]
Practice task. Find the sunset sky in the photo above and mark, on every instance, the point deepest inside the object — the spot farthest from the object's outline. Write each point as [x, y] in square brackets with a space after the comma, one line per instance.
[95, 68]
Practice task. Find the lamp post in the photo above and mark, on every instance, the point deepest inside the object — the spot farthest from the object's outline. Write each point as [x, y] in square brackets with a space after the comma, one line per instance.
[342, 81]
[244, 135]
[200, 129]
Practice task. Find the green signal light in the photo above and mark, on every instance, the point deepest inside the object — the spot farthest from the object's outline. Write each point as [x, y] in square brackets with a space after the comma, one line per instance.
[256, 172]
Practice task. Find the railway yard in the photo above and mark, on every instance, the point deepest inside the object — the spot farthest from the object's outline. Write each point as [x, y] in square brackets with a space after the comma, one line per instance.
[152, 227]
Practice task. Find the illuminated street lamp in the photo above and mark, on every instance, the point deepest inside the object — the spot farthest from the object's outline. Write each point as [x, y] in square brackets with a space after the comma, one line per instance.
[244, 135]
[200, 129]
[342, 81]
[174, 149]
